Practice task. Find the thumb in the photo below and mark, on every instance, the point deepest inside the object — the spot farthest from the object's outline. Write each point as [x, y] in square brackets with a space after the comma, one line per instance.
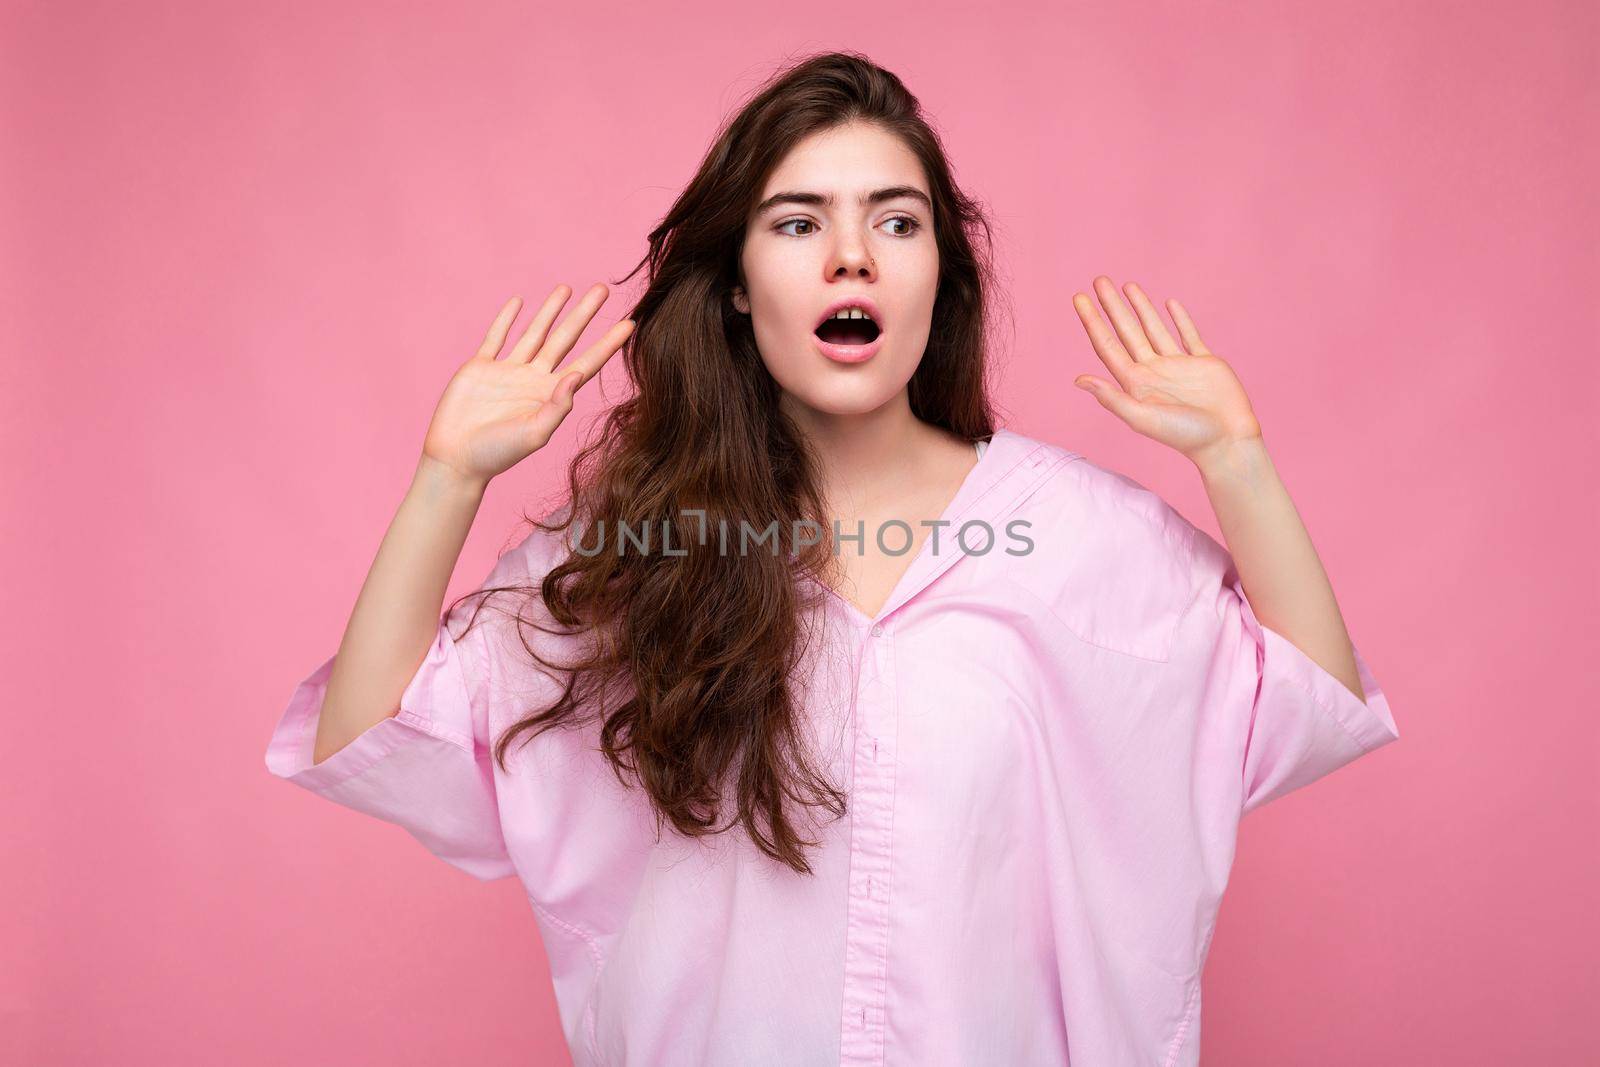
[1098, 388]
[567, 387]
[543, 422]
[1111, 397]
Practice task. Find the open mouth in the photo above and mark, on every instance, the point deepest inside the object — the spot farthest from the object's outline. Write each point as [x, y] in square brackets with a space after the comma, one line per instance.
[852, 331]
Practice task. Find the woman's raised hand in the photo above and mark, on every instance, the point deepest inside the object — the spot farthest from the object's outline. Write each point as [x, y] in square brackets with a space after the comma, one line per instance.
[495, 412]
[1180, 394]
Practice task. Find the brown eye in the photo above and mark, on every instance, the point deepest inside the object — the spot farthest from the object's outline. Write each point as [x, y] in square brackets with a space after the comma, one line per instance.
[791, 222]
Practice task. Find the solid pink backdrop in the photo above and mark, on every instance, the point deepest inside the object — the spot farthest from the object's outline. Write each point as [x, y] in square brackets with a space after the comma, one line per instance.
[245, 249]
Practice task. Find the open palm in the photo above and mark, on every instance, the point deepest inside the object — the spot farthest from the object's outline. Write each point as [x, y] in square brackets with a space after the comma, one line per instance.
[495, 412]
[1179, 394]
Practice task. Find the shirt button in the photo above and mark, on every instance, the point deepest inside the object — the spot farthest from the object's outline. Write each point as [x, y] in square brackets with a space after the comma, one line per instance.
[877, 629]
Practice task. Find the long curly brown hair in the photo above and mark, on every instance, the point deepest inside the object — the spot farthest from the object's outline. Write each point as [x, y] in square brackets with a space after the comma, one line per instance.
[689, 661]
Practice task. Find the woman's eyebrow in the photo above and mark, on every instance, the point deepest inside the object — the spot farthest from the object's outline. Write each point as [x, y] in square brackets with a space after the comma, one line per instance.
[877, 196]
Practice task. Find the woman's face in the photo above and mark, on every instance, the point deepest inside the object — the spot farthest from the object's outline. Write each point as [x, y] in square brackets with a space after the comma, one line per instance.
[801, 256]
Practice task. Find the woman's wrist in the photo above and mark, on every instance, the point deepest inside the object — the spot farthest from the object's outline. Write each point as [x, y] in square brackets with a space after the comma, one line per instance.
[437, 477]
[1243, 460]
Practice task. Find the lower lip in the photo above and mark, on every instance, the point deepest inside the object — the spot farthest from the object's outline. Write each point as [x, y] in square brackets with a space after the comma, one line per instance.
[849, 353]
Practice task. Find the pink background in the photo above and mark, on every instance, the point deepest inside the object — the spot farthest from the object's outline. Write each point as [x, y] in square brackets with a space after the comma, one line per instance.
[243, 251]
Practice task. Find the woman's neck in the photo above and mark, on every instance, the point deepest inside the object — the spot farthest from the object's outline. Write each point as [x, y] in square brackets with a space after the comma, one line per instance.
[872, 463]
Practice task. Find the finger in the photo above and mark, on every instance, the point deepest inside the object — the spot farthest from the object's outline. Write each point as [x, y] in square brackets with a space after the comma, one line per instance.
[1115, 400]
[1126, 322]
[566, 334]
[1150, 318]
[1190, 335]
[499, 328]
[543, 422]
[594, 357]
[1105, 341]
[534, 336]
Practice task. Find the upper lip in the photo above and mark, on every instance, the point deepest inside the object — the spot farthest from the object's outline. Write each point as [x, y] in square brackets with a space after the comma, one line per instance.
[865, 303]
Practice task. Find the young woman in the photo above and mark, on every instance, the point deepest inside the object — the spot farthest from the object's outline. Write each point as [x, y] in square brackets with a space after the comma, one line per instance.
[982, 716]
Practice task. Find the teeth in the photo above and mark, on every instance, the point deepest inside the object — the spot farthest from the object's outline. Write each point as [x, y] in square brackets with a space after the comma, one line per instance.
[851, 313]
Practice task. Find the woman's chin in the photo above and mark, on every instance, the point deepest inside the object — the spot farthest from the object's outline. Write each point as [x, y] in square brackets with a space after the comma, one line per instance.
[858, 396]
[831, 388]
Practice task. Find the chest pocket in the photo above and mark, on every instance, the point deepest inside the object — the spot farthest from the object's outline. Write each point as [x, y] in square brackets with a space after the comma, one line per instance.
[1110, 563]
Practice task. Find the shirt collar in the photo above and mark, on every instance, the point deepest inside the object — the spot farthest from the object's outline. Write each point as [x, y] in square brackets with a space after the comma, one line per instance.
[1010, 469]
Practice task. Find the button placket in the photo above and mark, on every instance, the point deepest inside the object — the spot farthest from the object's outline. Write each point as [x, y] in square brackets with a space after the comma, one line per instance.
[871, 839]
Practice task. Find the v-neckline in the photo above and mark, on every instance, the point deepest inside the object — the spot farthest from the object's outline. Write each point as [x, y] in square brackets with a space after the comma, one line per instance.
[983, 476]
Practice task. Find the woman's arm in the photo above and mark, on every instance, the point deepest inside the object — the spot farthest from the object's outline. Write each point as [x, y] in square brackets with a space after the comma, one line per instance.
[494, 413]
[1281, 573]
[396, 615]
[1188, 398]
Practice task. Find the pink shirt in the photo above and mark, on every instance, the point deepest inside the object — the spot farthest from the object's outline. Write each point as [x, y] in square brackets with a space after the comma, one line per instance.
[1047, 756]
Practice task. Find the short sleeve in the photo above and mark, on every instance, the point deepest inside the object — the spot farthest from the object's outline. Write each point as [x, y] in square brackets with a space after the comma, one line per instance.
[1281, 719]
[428, 768]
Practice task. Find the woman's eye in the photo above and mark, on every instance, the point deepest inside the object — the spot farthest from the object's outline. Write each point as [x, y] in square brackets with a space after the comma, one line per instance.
[911, 225]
